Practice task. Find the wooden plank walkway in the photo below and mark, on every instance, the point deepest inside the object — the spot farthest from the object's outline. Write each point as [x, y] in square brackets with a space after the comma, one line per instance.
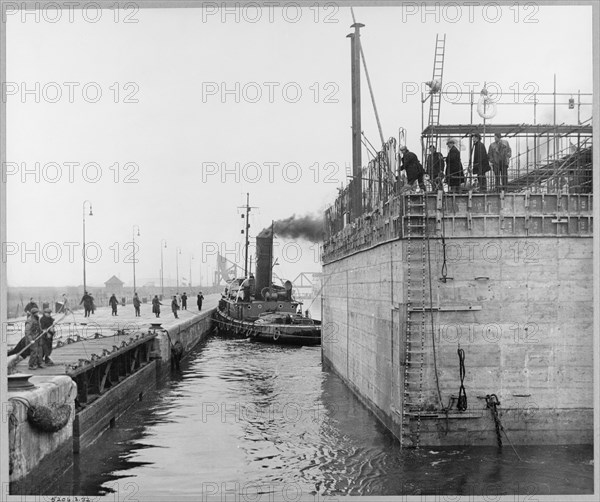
[69, 359]
[103, 336]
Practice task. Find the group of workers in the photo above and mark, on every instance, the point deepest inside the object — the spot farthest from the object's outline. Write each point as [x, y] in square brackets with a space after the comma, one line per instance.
[39, 325]
[177, 302]
[450, 169]
[39, 335]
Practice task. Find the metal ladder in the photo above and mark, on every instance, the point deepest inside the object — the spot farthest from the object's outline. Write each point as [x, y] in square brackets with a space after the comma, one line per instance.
[438, 73]
[413, 401]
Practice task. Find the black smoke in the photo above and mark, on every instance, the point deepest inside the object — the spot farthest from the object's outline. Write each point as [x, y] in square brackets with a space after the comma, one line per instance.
[305, 227]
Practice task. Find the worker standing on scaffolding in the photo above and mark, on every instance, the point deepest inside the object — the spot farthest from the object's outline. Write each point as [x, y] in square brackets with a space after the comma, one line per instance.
[455, 175]
[499, 155]
[481, 164]
[434, 165]
[412, 167]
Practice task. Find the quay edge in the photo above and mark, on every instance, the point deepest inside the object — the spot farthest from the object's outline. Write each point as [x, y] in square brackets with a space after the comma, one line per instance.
[37, 458]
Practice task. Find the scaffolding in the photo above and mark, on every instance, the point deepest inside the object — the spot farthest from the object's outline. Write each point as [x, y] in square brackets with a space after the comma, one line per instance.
[546, 158]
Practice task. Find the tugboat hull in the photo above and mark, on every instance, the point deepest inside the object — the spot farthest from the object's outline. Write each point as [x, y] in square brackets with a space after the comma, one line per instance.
[284, 334]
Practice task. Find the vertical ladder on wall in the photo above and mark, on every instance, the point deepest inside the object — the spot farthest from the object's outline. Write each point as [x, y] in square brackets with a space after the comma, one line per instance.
[438, 73]
[413, 400]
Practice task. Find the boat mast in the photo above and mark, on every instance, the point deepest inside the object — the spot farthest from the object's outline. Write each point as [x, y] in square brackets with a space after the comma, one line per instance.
[271, 255]
[247, 231]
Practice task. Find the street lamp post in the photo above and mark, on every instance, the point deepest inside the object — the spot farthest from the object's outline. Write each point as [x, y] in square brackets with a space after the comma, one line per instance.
[91, 214]
[162, 280]
[133, 240]
[191, 259]
[177, 253]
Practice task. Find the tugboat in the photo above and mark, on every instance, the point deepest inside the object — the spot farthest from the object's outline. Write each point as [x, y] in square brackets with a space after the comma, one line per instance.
[256, 308]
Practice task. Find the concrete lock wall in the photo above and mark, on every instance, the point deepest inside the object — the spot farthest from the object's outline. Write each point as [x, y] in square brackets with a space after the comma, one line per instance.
[521, 308]
[189, 332]
[30, 448]
[361, 325]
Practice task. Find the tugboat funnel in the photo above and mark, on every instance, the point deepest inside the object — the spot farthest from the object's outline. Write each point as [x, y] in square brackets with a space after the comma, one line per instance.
[264, 260]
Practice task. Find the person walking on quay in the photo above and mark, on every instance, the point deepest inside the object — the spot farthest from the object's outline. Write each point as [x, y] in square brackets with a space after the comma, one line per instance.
[481, 163]
[434, 165]
[64, 308]
[92, 305]
[184, 301]
[454, 169]
[199, 302]
[175, 306]
[113, 302]
[412, 167]
[32, 332]
[88, 302]
[499, 155]
[29, 306]
[45, 322]
[136, 304]
[156, 306]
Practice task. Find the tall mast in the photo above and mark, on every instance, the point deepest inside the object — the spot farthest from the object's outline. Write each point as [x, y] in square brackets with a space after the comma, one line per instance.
[271, 257]
[356, 192]
[247, 231]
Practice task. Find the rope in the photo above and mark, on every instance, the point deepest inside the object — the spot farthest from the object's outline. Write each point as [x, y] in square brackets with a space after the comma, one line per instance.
[437, 381]
[40, 335]
[461, 404]
[444, 264]
[492, 402]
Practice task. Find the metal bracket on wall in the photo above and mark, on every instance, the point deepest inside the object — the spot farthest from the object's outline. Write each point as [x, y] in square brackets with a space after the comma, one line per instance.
[447, 308]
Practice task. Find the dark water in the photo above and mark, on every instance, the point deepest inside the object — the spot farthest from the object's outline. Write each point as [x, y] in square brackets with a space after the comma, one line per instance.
[247, 421]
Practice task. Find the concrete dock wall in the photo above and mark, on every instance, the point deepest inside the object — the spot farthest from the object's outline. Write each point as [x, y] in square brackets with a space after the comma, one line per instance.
[189, 332]
[93, 420]
[520, 306]
[30, 449]
[36, 457]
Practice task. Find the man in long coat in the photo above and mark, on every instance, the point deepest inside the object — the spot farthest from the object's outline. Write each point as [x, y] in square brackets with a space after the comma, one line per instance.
[499, 154]
[113, 302]
[412, 167]
[434, 165]
[481, 164]
[88, 303]
[455, 175]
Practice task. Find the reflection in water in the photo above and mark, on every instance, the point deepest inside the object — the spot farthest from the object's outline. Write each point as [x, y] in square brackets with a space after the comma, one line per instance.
[257, 419]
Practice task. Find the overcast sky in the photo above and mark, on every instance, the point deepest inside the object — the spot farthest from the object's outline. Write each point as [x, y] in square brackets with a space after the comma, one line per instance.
[167, 106]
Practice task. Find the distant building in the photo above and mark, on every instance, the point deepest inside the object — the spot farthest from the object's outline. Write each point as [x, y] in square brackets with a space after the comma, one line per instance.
[114, 285]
